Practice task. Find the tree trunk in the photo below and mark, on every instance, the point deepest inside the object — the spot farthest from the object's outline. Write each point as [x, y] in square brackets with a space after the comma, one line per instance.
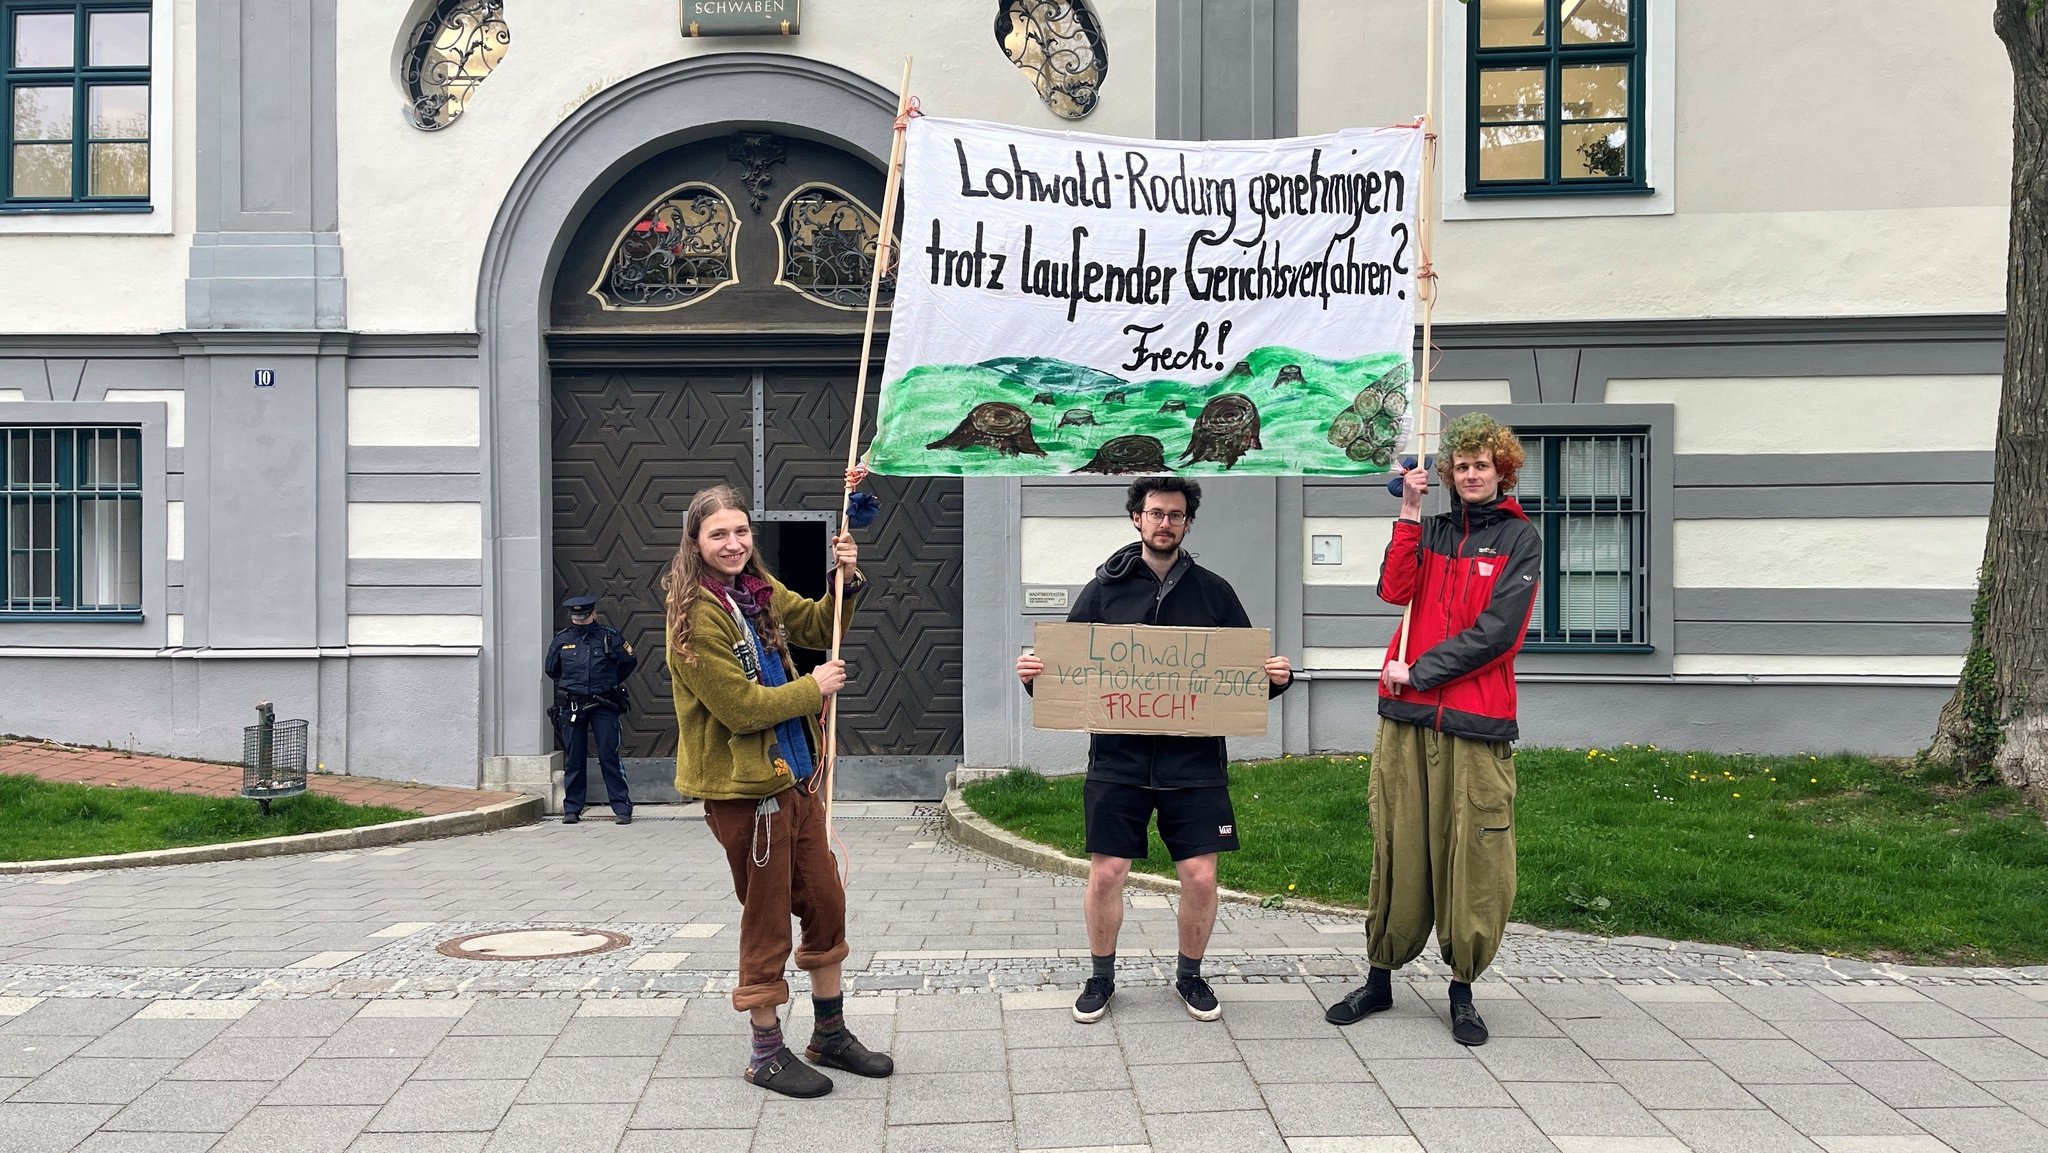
[1996, 726]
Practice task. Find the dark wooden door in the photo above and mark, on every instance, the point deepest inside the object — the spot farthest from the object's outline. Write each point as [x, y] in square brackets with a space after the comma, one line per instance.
[632, 445]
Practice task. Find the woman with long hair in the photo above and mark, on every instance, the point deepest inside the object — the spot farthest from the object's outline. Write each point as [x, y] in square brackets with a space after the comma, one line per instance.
[748, 745]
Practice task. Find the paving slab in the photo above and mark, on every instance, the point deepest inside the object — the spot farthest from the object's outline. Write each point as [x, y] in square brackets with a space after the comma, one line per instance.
[160, 1008]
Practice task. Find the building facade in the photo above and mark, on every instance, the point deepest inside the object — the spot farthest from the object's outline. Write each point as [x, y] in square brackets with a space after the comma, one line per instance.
[340, 341]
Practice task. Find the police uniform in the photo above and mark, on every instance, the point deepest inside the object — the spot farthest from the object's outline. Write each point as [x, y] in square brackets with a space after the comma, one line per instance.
[589, 664]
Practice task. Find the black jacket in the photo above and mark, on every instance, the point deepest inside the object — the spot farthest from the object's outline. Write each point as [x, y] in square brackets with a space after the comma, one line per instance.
[1125, 592]
[588, 660]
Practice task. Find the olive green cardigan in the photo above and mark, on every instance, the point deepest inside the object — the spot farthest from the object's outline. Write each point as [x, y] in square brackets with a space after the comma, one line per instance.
[725, 721]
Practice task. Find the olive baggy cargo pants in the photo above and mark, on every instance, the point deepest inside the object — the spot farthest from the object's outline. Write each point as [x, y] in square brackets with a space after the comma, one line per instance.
[1443, 847]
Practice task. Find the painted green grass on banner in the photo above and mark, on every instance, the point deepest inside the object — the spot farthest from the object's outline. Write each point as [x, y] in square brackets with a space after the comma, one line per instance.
[1074, 410]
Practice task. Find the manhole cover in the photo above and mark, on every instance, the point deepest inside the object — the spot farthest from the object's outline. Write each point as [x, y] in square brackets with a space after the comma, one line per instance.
[533, 944]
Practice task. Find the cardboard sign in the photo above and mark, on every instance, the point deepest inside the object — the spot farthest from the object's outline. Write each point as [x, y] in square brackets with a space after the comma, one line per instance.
[1151, 679]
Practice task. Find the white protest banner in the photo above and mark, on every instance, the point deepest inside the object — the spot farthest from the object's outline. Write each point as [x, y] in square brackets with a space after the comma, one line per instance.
[1068, 303]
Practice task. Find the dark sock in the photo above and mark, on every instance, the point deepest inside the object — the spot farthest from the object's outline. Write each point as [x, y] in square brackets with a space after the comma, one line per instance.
[1461, 992]
[1105, 965]
[767, 1043]
[1189, 967]
[1380, 983]
[831, 1014]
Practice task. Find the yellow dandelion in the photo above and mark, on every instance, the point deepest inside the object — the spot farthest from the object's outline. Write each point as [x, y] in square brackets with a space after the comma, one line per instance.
[1290, 888]
[1738, 796]
[1813, 780]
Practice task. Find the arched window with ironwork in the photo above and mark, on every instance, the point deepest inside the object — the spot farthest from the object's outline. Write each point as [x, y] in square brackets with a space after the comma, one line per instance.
[677, 251]
[1058, 45]
[452, 47]
[828, 240]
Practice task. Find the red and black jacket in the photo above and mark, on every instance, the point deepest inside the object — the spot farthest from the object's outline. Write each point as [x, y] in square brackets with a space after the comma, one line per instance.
[1471, 576]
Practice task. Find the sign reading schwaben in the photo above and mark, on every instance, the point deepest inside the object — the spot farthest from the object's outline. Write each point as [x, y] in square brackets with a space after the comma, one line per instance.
[741, 17]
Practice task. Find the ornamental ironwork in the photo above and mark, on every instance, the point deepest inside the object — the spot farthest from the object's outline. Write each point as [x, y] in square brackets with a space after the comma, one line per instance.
[676, 252]
[756, 152]
[449, 54]
[829, 240]
[1059, 46]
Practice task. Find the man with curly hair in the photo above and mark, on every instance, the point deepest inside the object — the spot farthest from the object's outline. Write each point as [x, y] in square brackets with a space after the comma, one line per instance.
[1442, 787]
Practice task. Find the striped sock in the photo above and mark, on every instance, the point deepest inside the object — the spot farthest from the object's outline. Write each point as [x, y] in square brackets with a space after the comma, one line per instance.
[767, 1043]
[830, 1013]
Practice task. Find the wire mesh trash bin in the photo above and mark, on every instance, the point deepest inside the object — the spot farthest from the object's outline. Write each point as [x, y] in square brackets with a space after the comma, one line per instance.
[273, 758]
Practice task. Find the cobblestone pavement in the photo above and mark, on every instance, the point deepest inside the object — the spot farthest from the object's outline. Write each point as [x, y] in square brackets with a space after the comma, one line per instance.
[300, 1004]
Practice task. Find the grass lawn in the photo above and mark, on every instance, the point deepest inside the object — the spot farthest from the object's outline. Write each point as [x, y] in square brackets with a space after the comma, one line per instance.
[1830, 854]
[45, 820]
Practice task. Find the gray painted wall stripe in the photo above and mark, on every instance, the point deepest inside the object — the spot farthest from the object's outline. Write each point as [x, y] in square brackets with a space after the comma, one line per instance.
[407, 600]
[1830, 639]
[416, 572]
[378, 486]
[363, 458]
[1831, 500]
[1936, 606]
[1349, 632]
[174, 572]
[1074, 500]
[1364, 500]
[1692, 470]
[1344, 600]
[174, 599]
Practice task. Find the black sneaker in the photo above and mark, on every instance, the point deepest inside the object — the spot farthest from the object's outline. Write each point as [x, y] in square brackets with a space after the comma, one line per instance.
[1466, 1027]
[571, 818]
[788, 1076]
[1094, 1000]
[842, 1050]
[623, 819]
[1199, 998]
[1357, 1005]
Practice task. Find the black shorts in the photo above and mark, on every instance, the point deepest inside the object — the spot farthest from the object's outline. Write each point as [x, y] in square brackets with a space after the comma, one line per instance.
[1192, 822]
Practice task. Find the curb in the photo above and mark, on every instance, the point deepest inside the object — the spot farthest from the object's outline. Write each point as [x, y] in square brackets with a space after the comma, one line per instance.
[502, 815]
[970, 828]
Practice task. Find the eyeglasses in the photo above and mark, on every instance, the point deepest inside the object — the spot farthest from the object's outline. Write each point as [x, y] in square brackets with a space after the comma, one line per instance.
[1155, 516]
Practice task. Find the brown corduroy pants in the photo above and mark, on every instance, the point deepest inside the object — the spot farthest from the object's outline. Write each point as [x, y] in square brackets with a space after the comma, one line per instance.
[1443, 840]
[797, 875]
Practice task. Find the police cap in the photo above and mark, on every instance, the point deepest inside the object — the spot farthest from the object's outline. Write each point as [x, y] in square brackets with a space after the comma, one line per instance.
[579, 605]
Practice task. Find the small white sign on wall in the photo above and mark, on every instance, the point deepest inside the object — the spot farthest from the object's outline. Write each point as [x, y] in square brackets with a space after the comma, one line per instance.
[1326, 548]
[1045, 598]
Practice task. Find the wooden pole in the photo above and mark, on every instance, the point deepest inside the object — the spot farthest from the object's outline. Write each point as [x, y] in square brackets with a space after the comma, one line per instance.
[884, 257]
[1425, 281]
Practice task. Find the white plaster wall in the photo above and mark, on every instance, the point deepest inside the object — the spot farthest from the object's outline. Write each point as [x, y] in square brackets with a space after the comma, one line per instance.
[1832, 414]
[1834, 157]
[174, 530]
[410, 270]
[398, 530]
[1919, 552]
[1065, 550]
[414, 417]
[99, 284]
[1739, 664]
[173, 400]
[1365, 543]
[373, 629]
[1448, 392]
[12, 395]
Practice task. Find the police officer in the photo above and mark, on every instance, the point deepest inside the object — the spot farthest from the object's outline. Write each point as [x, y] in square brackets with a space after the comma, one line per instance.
[589, 662]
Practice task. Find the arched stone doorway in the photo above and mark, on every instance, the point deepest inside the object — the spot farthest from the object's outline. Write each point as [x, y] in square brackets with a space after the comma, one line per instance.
[619, 411]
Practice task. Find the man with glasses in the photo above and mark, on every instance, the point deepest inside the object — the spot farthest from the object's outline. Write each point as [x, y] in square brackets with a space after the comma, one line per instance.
[1154, 581]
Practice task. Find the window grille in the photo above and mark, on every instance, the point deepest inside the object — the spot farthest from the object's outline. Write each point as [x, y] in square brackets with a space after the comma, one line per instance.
[448, 54]
[1059, 46]
[1555, 97]
[829, 240]
[677, 252]
[71, 514]
[1587, 494]
[75, 130]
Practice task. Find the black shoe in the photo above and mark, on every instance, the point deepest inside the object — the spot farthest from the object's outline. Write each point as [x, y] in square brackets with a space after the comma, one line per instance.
[788, 1076]
[1199, 998]
[1094, 1000]
[1357, 1005]
[624, 819]
[1466, 1027]
[571, 818]
[844, 1051]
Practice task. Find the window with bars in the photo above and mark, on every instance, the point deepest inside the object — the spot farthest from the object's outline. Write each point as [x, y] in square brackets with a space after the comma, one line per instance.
[71, 514]
[1555, 97]
[77, 79]
[1587, 493]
